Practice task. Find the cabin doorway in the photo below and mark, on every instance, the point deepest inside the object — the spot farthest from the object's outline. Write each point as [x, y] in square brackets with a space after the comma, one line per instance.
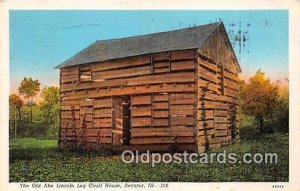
[121, 121]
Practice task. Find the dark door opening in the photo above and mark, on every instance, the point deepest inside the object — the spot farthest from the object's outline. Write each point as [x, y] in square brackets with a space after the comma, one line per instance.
[126, 121]
[121, 121]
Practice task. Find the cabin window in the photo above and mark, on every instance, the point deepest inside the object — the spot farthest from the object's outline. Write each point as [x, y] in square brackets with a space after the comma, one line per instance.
[85, 74]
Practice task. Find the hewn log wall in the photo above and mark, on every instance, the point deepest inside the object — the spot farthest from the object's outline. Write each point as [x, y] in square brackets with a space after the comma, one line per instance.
[162, 90]
[179, 100]
[163, 119]
[218, 122]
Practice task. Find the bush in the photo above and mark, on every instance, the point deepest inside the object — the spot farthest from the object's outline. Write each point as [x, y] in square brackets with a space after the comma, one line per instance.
[279, 119]
[37, 128]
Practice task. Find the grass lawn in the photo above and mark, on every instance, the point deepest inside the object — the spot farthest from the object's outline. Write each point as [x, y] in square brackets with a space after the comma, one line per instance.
[32, 143]
[34, 159]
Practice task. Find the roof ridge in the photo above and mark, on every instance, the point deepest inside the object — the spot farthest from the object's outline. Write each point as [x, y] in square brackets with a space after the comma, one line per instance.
[157, 33]
[102, 50]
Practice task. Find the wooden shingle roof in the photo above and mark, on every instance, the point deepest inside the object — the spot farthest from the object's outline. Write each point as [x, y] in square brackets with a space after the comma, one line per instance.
[102, 50]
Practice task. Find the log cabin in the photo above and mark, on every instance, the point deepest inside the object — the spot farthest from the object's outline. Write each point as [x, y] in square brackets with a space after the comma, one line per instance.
[163, 92]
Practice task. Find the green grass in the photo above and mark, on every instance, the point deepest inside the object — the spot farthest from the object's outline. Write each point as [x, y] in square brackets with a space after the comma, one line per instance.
[40, 160]
[32, 143]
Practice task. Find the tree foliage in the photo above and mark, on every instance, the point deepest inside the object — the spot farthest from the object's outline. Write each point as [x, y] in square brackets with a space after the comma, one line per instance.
[50, 107]
[51, 95]
[29, 88]
[258, 98]
[280, 115]
[16, 103]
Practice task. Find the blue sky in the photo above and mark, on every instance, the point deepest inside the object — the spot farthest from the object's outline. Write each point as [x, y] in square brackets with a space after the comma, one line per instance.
[40, 40]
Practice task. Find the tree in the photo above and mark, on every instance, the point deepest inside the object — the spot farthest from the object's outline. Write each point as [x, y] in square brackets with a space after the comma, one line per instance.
[16, 103]
[50, 106]
[51, 95]
[29, 88]
[258, 98]
[280, 116]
